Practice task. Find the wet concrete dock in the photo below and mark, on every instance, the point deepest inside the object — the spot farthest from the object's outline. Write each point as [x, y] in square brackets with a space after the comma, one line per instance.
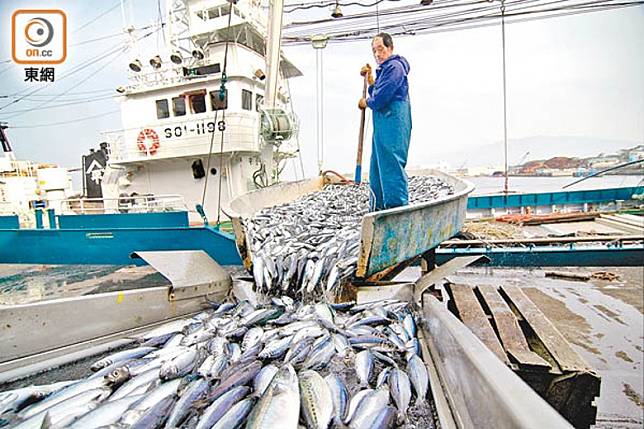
[602, 320]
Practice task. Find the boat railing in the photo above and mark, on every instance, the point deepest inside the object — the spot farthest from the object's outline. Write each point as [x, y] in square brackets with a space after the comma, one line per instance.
[162, 77]
[6, 207]
[185, 138]
[18, 167]
[126, 204]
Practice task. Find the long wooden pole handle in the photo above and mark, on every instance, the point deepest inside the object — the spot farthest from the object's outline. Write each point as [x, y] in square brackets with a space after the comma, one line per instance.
[358, 175]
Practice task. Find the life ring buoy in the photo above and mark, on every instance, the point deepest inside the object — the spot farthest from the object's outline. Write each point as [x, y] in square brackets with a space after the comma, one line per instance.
[144, 136]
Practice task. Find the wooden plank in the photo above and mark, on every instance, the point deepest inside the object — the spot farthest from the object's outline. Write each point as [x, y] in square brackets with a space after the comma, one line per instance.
[567, 358]
[510, 333]
[440, 272]
[472, 315]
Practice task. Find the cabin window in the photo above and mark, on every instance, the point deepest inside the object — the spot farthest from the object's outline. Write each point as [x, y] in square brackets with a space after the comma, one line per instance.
[224, 10]
[247, 100]
[216, 102]
[259, 101]
[178, 106]
[198, 103]
[197, 169]
[216, 12]
[162, 109]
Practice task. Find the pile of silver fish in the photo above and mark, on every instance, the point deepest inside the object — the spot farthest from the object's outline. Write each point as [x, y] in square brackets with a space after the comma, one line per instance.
[281, 365]
[307, 249]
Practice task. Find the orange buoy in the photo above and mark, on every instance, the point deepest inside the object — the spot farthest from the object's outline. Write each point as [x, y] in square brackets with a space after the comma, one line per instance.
[148, 141]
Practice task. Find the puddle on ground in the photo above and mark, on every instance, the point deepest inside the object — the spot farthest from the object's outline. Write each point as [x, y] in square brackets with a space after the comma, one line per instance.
[623, 356]
[633, 395]
[608, 312]
[574, 327]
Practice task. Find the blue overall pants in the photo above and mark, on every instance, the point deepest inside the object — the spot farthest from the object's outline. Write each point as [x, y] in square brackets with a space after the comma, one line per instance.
[390, 146]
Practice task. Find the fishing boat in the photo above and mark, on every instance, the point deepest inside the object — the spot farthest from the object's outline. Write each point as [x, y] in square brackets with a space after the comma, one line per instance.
[25, 185]
[209, 118]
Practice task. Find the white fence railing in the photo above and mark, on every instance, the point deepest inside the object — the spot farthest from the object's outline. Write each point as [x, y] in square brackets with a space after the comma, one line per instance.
[185, 138]
[126, 204]
[6, 208]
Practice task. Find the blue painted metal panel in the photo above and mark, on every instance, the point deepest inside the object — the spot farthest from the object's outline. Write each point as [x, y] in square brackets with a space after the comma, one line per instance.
[553, 256]
[110, 246]
[9, 222]
[51, 218]
[38, 215]
[549, 198]
[398, 235]
[124, 220]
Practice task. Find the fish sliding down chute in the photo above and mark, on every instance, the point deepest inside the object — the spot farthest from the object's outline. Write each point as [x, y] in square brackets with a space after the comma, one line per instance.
[307, 248]
[274, 366]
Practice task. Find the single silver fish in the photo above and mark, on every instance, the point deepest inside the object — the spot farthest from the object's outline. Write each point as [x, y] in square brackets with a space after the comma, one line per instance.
[419, 378]
[236, 416]
[195, 391]
[280, 403]
[364, 366]
[369, 408]
[252, 337]
[221, 406]
[152, 398]
[121, 356]
[155, 415]
[179, 365]
[316, 400]
[107, 414]
[340, 396]
[263, 379]
[354, 403]
[400, 389]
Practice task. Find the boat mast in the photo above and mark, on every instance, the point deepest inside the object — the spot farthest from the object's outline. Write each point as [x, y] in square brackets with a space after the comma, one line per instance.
[273, 48]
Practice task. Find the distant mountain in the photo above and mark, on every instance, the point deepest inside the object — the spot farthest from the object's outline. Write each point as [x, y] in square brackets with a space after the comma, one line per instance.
[540, 147]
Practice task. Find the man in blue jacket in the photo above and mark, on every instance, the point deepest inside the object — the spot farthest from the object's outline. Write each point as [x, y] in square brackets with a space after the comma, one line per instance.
[389, 101]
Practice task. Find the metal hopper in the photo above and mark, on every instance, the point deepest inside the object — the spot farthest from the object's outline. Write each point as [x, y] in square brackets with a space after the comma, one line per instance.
[390, 238]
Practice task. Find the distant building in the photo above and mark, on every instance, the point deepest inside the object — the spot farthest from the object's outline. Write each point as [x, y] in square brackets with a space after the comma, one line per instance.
[601, 162]
[633, 154]
[478, 171]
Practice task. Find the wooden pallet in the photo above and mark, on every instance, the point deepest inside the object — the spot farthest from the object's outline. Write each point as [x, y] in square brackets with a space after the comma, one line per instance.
[515, 330]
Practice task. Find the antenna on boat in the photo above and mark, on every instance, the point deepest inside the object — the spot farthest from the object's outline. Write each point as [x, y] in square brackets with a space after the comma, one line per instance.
[135, 65]
[178, 31]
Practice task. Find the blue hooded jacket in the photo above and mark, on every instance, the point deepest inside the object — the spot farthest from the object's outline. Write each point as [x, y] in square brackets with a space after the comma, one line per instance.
[391, 83]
